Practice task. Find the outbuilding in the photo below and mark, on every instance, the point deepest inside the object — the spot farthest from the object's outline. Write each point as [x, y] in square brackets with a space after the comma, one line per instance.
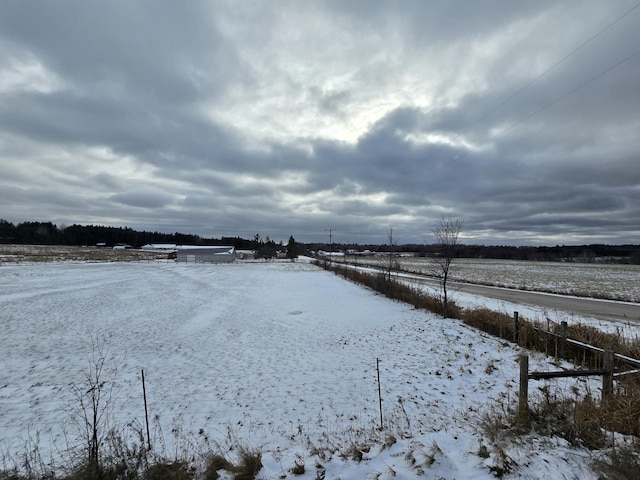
[205, 254]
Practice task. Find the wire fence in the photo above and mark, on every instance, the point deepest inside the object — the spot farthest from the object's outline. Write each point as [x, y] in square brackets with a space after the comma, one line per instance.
[367, 396]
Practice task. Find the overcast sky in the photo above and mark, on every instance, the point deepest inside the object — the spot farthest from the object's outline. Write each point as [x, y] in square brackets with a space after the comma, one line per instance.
[278, 118]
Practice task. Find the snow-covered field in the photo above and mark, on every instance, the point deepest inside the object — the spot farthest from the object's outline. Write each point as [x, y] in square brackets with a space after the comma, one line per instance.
[600, 280]
[280, 357]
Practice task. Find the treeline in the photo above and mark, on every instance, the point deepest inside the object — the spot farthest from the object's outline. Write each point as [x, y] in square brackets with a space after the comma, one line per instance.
[559, 253]
[47, 233]
[577, 253]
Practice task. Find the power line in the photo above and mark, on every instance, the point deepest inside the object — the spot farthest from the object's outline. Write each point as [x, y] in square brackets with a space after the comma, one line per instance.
[534, 80]
[556, 100]
[564, 95]
[562, 60]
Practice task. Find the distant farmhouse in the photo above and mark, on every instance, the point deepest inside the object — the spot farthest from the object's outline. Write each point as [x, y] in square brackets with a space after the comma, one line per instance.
[205, 254]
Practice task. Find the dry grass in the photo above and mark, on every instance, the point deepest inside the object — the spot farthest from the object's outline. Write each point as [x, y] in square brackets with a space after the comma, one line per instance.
[248, 466]
[621, 462]
[494, 323]
[607, 341]
[178, 470]
[250, 463]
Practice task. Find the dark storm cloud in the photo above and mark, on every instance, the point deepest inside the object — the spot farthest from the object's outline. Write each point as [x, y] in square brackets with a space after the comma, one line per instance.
[121, 48]
[282, 118]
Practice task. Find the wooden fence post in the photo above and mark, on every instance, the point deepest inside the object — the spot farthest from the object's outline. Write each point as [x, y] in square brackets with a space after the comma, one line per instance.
[523, 396]
[563, 339]
[379, 392]
[607, 378]
[516, 328]
[146, 411]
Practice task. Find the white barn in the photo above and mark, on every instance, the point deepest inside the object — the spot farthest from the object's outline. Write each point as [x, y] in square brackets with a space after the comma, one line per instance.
[205, 254]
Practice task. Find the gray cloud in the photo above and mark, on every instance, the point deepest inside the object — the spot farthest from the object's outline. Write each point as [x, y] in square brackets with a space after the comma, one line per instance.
[142, 199]
[287, 118]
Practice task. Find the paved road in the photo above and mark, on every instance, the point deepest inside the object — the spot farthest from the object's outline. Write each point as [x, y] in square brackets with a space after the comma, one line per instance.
[585, 307]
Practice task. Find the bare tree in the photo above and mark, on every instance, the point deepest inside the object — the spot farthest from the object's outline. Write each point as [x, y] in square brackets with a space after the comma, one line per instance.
[447, 233]
[95, 395]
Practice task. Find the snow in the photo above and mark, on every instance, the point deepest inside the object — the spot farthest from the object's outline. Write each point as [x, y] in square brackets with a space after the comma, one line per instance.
[280, 357]
[598, 280]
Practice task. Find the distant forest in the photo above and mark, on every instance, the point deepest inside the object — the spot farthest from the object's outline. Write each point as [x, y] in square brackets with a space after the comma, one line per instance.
[47, 233]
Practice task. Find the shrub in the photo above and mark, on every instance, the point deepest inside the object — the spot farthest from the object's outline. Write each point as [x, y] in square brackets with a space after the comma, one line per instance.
[250, 463]
[214, 464]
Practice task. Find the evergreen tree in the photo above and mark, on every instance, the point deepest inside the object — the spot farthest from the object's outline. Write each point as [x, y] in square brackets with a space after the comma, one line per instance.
[292, 248]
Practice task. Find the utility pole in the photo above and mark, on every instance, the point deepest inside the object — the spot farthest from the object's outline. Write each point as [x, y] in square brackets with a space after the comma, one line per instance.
[390, 251]
[330, 230]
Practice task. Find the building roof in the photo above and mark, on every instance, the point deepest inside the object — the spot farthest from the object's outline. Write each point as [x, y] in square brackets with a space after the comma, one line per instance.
[211, 249]
[159, 246]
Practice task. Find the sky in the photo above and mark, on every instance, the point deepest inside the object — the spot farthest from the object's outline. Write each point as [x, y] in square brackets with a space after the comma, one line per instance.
[279, 118]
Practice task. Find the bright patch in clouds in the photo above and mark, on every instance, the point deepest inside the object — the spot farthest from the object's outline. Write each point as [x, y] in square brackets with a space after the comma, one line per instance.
[25, 74]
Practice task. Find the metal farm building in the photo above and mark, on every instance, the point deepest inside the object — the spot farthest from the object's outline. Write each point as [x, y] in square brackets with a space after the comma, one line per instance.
[205, 254]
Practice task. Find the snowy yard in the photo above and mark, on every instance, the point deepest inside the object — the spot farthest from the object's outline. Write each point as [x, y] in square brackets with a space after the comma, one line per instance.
[280, 357]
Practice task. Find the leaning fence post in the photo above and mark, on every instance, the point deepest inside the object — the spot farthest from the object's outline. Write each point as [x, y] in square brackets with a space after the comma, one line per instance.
[607, 378]
[523, 396]
[563, 339]
[516, 328]
[146, 411]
